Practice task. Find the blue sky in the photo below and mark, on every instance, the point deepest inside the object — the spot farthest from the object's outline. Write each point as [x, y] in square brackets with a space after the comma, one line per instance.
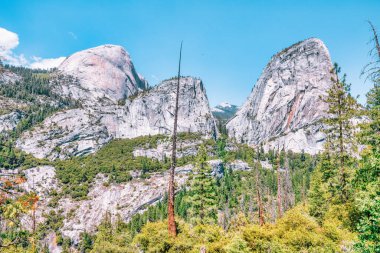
[226, 43]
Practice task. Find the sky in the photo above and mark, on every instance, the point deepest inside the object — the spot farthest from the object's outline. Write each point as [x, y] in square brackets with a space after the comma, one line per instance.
[225, 43]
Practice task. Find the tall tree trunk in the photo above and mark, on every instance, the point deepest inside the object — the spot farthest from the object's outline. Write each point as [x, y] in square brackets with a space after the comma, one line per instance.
[171, 219]
[286, 178]
[279, 199]
[259, 203]
[258, 193]
[286, 183]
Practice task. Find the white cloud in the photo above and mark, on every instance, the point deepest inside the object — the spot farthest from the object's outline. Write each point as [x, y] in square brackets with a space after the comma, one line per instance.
[15, 60]
[40, 63]
[9, 41]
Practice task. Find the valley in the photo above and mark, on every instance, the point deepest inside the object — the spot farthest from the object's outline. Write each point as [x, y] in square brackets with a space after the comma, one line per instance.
[85, 153]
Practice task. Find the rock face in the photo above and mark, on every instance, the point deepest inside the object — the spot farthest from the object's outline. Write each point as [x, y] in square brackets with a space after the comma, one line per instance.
[8, 77]
[104, 72]
[113, 105]
[9, 121]
[285, 106]
[11, 112]
[115, 102]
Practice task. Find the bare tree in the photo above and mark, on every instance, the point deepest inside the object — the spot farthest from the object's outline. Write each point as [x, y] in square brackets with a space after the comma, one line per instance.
[375, 38]
[171, 218]
[279, 186]
[258, 192]
[288, 187]
[371, 70]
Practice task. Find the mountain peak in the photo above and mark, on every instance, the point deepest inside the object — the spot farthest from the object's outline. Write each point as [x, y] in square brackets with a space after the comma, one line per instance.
[224, 111]
[285, 104]
[102, 72]
[225, 105]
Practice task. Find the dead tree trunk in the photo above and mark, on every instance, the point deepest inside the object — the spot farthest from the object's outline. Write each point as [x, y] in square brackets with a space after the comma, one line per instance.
[376, 38]
[258, 192]
[171, 219]
[259, 202]
[279, 198]
[288, 187]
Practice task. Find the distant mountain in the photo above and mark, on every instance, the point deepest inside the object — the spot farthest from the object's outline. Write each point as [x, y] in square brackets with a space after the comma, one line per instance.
[224, 111]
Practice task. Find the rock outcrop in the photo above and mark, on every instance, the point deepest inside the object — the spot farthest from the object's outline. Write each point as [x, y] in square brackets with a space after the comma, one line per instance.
[9, 121]
[285, 106]
[11, 112]
[115, 102]
[8, 77]
[85, 130]
[103, 73]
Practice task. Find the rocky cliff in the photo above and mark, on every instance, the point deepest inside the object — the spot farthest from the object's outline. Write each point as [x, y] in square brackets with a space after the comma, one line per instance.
[103, 73]
[114, 103]
[285, 106]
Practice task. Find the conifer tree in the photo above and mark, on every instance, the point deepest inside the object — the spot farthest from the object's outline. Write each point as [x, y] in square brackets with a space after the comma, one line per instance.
[340, 140]
[318, 195]
[202, 199]
[367, 178]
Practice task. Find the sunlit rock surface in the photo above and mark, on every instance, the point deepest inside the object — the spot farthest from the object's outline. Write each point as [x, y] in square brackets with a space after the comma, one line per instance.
[115, 102]
[285, 107]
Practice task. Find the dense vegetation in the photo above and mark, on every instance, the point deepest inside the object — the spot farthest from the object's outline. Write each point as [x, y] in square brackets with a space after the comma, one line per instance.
[33, 89]
[116, 161]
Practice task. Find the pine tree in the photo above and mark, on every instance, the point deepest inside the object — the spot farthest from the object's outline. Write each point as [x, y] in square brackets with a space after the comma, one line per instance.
[202, 199]
[340, 140]
[318, 195]
[367, 178]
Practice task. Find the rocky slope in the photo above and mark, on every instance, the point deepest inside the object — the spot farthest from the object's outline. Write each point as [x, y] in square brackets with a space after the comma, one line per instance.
[118, 200]
[113, 105]
[8, 77]
[10, 113]
[285, 106]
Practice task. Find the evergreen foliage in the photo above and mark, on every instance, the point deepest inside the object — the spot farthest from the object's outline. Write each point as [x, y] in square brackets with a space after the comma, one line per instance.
[201, 197]
[340, 140]
[367, 178]
[115, 160]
